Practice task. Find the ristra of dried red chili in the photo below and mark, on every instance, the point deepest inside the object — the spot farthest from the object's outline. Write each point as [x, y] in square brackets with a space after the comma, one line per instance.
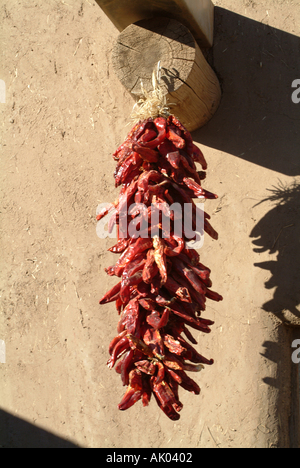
[163, 287]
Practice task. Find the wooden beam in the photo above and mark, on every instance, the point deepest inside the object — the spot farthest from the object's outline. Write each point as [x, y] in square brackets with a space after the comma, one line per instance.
[196, 15]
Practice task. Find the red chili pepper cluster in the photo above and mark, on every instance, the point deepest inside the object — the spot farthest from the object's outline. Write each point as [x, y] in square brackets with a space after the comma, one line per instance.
[163, 286]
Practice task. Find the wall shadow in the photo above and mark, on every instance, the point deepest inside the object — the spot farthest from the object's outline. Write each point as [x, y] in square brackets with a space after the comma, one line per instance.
[279, 232]
[18, 433]
[287, 382]
[257, 120]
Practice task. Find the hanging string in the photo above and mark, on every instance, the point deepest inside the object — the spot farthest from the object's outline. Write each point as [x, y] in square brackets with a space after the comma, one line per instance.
[154, 103]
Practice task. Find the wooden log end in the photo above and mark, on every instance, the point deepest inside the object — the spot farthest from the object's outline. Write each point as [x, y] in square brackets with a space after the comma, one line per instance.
[190, 83]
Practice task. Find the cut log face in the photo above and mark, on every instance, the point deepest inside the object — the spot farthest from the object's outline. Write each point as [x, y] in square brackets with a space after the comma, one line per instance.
[191, 86]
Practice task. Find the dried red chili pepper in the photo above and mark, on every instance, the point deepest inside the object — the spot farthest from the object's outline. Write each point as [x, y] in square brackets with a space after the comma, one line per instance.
[146, 366]
[138, 344]
[157, 320]
[160, 124]
[147, 136]
[175, 289]
[146, 153]
[153, 339]
[121, 347]
[110, 294]
[120, 246]
[174, 135]
[134, 391]
[115, 341]
[166, 399]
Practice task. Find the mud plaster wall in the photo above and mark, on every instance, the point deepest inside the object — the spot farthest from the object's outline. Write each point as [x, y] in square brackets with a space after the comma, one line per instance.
[65, 113]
